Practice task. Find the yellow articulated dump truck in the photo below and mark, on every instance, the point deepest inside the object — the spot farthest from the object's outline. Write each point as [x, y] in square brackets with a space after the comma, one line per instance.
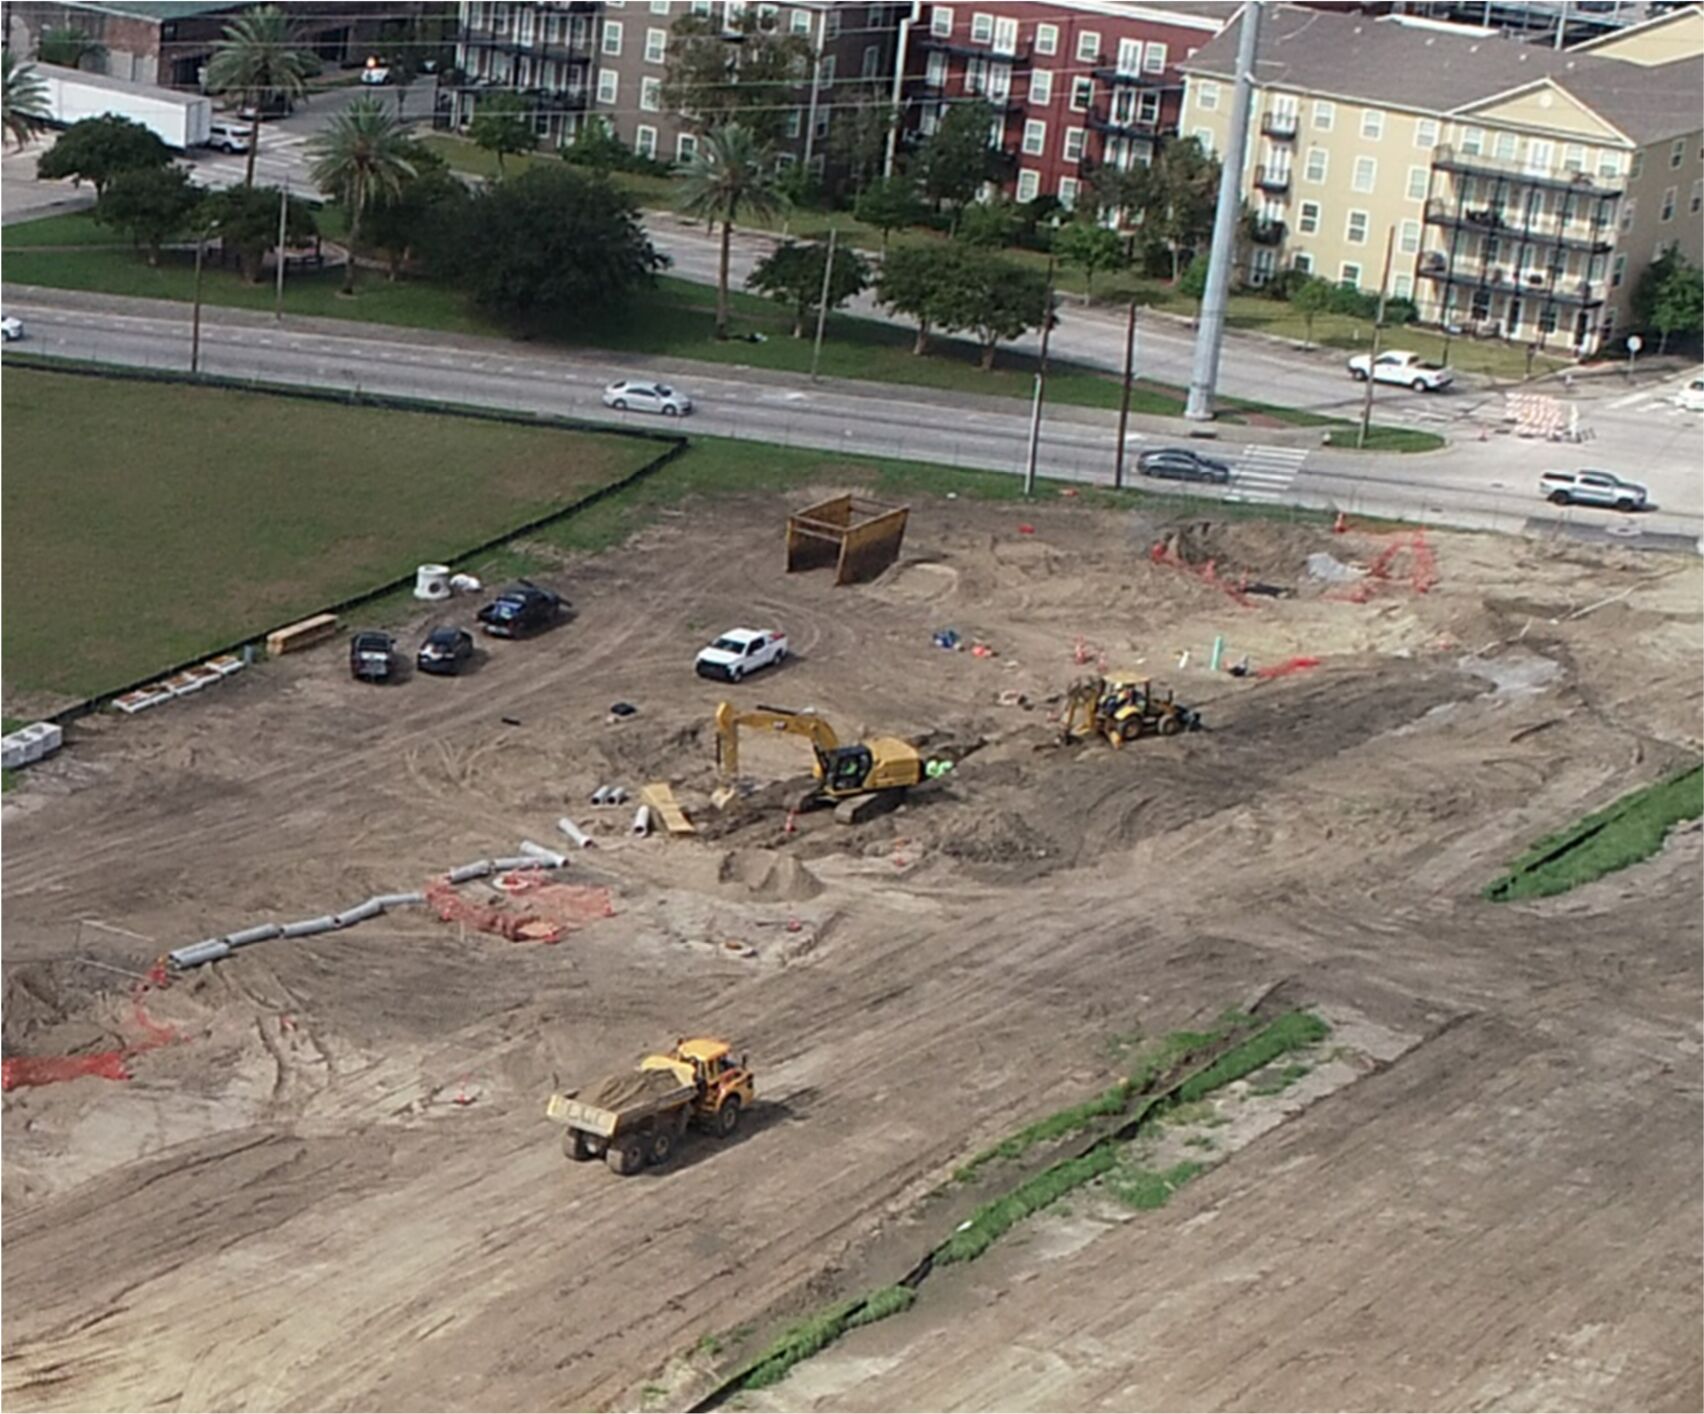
[638, 1117]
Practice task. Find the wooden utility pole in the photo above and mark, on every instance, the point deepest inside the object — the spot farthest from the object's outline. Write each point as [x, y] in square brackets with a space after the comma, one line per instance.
[195, 318]
[1124, 397]
[822, 304]
[1040, 382]
[1378, 329]
[283, 213]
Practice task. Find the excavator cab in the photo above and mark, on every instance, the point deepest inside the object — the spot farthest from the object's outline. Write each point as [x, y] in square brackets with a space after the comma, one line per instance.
[845, 769]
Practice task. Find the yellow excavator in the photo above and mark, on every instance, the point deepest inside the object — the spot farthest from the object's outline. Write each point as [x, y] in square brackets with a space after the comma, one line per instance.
[859, 780]
[1121, 710]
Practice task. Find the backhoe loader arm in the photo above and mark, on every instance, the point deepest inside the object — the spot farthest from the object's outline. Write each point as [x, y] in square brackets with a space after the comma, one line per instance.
[729, 720]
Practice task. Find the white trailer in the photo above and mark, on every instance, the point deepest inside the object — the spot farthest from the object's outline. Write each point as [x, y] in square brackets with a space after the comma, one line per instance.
[180, 120]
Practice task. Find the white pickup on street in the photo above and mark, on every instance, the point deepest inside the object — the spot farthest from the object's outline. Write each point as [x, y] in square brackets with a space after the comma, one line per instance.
[1399, 366]
[740, 651]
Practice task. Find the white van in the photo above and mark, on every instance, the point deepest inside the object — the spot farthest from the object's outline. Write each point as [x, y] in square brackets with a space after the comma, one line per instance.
[227, 136]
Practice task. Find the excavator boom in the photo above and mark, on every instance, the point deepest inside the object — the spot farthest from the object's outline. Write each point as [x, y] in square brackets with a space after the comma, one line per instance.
[729, 720]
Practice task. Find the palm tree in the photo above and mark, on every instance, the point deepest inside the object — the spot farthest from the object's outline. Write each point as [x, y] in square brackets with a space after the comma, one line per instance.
[24, 98]
[361, 155]
[258, 59]
[730, 174]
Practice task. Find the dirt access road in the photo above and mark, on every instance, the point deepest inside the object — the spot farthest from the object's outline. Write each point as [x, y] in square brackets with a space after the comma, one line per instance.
[338, 1190]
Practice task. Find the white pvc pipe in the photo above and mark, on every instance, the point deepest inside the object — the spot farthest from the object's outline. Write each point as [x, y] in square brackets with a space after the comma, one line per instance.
[575, 833]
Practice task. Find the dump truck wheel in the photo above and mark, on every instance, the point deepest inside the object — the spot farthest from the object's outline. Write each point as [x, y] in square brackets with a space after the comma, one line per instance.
[625, 1159]
[662, 1147]
[579, 1146]
[1170, 726]
[728, 1117]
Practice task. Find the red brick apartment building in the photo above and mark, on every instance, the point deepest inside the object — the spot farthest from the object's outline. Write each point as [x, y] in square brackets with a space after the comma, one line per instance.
[1076, 83]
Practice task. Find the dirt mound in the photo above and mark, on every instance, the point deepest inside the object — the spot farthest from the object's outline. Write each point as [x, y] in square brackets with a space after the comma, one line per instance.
[772, 877]
[919, 581]
[633, 1087]
[1261, 550]
[1000, 838]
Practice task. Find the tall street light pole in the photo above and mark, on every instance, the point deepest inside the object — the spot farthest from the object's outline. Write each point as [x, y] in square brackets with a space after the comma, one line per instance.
[1210, 334]
[283, 212]
[195, 318]
[1040, 382]
[1378, 331]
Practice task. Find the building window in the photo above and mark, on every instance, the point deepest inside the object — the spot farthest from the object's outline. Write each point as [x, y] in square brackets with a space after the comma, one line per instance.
[656, 45]
[796, 123]
[1204, 140]
[1473, 141]
[1207, 96]
[1677, 153]
[832, 24]
[1618, 272]
[612, 37]
[1573, 157]
[659, 7]
[826, 74]
[1074, 144]
[1154, 58]
[799, 21]
[1608, 165]
[1313, 170]
[1372, 123]
[1324, 115]
[1667, 212]
[1082, 94]
[1129, 56]
[940, 20]
[651, 95]
[1029, 184]
[1408, 241]
[981, 28]
[1047, 39]
[1418, 179]
[1504, 146]
[1404, 288]
[1307, 223]
[936, 74]
[1067, 192]
[686, 147]
[1041, 87]
[872, 60]
[608, 85]
[1355, 230]
[1629, 209]
[1302, 261]
[645, 141]
[1005, 36]
[1697, 203]
[1350, 274]
[1366, 173]
[1035, 137]
[1088, 46]
[1426, 133]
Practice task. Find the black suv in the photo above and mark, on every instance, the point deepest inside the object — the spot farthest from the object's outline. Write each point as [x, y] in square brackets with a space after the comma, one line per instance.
[445, 650]
[372, 656]
[520, 609]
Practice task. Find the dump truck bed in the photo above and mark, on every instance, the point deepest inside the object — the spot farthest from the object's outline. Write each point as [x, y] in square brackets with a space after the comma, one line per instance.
[619, 1101]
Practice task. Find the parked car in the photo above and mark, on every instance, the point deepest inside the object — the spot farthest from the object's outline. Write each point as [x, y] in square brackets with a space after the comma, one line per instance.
[445, 651]
[274, 105]
[741, 651]
[11, 328]
[227, 136]
[1592, 488]
[372, 656]
[1691, 397]
[1400, 366]
[1183, 464]
[643, 396]
[376, 71]
[519, 609]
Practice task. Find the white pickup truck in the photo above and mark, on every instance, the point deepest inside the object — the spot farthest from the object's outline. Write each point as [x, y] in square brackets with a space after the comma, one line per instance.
[740, 651]
[1399, 366]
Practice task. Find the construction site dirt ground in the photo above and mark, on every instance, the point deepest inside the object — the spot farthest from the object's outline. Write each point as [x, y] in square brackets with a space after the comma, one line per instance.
[336, 1187]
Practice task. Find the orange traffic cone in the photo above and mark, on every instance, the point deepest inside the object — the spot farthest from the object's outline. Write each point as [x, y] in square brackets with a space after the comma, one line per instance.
[1340, 525]
[791, 827]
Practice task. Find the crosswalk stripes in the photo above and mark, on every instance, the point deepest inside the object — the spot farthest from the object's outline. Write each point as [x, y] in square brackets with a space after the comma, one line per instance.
[1264, 473]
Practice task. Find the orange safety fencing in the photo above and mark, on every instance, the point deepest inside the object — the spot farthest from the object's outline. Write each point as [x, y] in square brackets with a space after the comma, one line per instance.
[550, 911]
[1420, 568]
[1208, 573]
[1284, 669]
[22, 1071]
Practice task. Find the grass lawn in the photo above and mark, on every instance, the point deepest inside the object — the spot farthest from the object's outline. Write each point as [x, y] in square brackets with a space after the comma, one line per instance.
[237, 512]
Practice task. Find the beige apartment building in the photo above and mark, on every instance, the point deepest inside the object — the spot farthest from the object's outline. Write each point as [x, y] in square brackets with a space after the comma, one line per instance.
[1522, 189]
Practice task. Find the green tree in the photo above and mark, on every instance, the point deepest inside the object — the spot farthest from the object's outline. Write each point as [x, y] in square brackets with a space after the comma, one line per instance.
[957, 159]
[98, 149]
[1667, 296]
[502, 124]
[858, 140]
[405, 222]
[67, 47]
[24, 94]
[792, 275]
[552, 240]
[745, 72]
[362, 155]
[595, 146]
[1182, 207]
[259, 58]
[151, 205]
[1130, 191]
[730, 174]
[995, 299]
[245, 219]
[1092, 248]
[926, 283]
[991, 225]
[1194, 281]
[1311, 298]
[890, 204]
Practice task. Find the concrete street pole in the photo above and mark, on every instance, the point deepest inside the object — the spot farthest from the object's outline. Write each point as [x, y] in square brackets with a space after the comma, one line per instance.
[1204, 376]
[901, 52]
[195, 318]
[1040, 384]
[283, 212]
[1124, 398]
[822, 304]
[1378, 338]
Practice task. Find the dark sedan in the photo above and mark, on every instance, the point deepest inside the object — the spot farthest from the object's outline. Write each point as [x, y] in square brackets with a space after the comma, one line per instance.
[446, 650]
[1182, 464]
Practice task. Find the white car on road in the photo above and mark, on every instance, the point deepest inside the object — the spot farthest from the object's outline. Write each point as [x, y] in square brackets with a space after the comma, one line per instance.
[641, 395]
[741, 651]
[1691, 397]
[1400, 366]
[11, 328]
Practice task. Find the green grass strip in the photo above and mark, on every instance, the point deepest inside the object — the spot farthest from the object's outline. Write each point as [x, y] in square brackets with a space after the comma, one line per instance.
[818, 1332]
[1288, 1033]
[1623, 833]
[992, 1221]
[1146, 1189]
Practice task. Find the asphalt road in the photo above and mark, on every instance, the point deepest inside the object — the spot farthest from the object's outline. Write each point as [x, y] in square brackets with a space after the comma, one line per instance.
[1477, 485]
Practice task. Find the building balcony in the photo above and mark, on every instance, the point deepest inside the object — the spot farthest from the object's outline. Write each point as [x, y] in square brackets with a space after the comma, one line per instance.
[1484, 221]
[1452, 159]
[1539, 286]
[1124, 78]
[1280, 125]
[964, 50]
[1275, 180]
[1263, 232]
[1126, 127]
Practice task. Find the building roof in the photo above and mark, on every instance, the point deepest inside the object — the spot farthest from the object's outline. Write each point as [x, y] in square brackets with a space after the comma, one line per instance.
[1344, 54]
[157, 10]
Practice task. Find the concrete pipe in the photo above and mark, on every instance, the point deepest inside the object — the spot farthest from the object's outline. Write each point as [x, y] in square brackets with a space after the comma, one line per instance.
[575, 833]
[398, 900]
[600, 795]
[307, 927]
[617, 796]
[477, 870]
[642, 820]
[548, 858]
[372, 908]
[210, 951]
[516, 861]
[257, 934]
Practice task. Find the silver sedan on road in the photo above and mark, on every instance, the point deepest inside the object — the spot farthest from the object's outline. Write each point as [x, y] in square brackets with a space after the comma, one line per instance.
[643, 396]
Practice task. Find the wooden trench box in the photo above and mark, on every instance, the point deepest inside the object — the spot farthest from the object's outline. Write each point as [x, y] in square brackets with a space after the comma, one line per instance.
[859, 537]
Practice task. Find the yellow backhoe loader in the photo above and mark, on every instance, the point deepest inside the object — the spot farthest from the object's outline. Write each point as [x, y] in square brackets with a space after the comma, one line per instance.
[1121, 710]
[859, 780]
